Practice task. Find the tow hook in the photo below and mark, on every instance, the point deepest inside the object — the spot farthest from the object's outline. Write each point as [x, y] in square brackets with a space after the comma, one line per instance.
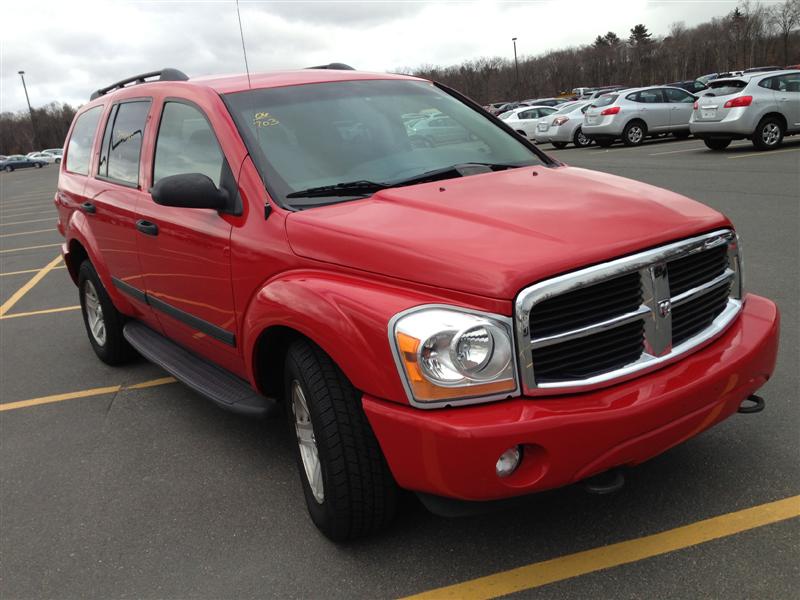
[751, 404]
[606, 482]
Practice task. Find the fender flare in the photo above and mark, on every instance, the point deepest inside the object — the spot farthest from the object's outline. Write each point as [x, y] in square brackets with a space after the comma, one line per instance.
[345, 315]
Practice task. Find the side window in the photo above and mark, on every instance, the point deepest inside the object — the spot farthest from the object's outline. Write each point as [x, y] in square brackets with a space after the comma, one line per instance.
[526, 114]
[789, 83]
[79, 148]
[771, 83]
[122, 142]
[676, 95]
[186, 144]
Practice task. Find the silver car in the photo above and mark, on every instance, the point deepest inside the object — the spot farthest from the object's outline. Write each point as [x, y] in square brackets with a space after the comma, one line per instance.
[564, 126]
[634, 114]
[763, 107]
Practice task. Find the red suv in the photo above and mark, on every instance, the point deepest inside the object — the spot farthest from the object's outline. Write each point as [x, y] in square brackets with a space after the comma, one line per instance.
[466, 318]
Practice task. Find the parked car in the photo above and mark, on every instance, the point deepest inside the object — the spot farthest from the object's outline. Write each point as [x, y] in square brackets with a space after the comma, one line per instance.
[601, 91]
[762, 107]
[436, 130]
[435, 319]
[564, 126]
[523, 120]
[18, 161]
[546, 101]
[57, 153]
[692, 86]
[761, 70]
[48, 158]
[704, 79]
[727, 74]
[495, 107]
[634, 114]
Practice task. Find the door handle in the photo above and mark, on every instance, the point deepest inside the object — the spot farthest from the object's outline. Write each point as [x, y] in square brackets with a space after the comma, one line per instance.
[146, 227]
[88, 207]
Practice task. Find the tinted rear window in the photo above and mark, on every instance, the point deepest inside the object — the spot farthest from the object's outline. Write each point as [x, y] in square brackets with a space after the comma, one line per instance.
[605, 100]
[725, 88]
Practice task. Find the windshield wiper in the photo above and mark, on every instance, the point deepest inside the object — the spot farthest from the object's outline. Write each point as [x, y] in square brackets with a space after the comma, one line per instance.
[364, 187]
[361, 187]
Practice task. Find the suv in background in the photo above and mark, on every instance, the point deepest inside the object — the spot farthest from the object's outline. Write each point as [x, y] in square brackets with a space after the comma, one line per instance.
[470, 321]
[634, 114]
[763, 107]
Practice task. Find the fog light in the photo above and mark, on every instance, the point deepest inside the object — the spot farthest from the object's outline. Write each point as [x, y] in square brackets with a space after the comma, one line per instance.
[508, 462]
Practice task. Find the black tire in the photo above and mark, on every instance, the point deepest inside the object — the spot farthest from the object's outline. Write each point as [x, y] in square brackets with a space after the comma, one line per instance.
[604, 142]
[768, 134]
[559, 145]
[113, 349]
[8, 169]
[58, 161]
[717, 143]
[38, 165]
[634, 133]
[682, 134]
[580, 140]
[359, 492]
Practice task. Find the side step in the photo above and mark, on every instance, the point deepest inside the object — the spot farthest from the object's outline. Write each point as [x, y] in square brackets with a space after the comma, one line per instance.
[220, 386]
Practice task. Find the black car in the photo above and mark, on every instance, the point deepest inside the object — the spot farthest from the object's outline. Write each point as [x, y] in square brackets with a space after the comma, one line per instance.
[692, 86]
[17, 161]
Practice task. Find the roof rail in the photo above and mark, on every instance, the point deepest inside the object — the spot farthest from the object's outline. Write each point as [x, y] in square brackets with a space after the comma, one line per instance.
[335, 66]
[163, 75]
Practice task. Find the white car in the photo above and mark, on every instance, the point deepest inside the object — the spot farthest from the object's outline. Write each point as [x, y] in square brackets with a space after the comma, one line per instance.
[524, 119]
[57, 153]
[48, 158]
[564, 126]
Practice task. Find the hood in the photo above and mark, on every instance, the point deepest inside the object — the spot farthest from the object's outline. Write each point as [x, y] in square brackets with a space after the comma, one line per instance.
[496, 233]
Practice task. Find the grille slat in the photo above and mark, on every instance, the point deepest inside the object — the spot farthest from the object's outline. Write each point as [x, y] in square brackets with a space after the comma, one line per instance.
[606, 351]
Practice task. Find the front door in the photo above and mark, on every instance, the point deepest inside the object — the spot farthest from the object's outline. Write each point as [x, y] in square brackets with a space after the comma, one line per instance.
[185, 252]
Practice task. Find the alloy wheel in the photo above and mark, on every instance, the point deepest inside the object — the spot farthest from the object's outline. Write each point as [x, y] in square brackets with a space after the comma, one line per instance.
[307, 442]
[635, 134]
[94, 313]
[771, 133]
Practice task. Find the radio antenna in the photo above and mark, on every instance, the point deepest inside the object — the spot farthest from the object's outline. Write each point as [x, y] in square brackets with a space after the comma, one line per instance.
[244, 50]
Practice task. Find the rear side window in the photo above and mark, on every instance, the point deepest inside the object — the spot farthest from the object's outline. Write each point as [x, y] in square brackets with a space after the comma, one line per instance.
[79, 149]
[725, 88]
[122, 142]
[186, 144]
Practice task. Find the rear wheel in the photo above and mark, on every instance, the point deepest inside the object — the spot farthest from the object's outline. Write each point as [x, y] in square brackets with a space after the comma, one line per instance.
[347, 484]
[559, 145]
[102, 320]
[634, 133]
[604, 142]
[580, 140]
[8, 168]
[38, 165]
[769, 134]
[717, 143]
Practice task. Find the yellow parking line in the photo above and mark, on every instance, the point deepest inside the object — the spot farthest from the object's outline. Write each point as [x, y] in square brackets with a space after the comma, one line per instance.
[54, 219]
[17, 296]
[5, 235]
[566, 567]
[39, 312]
[765, 153]
[100, 391]
[6, 274]
[29, 248]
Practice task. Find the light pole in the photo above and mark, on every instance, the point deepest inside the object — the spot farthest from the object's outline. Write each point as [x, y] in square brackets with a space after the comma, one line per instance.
[30, 110]
[516, 66]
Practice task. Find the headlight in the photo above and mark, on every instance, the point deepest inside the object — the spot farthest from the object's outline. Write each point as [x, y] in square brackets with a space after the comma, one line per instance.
[446, 354]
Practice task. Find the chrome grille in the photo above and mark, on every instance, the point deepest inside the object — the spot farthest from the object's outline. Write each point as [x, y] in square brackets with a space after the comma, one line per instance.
[612, 321]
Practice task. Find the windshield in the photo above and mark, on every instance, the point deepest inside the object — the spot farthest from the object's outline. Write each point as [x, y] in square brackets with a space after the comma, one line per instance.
[326, 134]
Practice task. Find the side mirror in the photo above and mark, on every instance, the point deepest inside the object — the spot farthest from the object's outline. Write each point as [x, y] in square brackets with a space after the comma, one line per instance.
[189, 190]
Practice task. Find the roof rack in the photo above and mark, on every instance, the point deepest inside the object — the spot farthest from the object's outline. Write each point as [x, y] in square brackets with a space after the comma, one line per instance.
[335, 66]
[163, 75]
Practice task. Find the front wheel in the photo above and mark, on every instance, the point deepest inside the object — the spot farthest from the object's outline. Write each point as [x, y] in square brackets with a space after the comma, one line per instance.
[768, 134]
[102, 320]
[8, 168]
[38, 165]
[634, 133]
[717, 143]
[347, 484]
[580, 140]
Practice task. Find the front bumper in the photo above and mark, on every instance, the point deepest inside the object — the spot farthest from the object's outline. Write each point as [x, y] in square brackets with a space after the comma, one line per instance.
[452, 452]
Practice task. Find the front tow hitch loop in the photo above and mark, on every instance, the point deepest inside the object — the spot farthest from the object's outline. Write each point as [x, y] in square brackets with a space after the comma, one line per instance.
[752, 404]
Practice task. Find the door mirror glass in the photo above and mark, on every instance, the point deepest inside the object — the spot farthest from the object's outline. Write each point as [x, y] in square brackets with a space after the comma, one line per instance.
[189, 190]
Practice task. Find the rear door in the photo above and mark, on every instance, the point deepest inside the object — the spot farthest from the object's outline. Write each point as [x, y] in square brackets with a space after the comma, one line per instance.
[112, 195]
[681, 103]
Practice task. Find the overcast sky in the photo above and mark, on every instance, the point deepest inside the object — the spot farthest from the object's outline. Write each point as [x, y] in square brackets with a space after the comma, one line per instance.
[69, 48]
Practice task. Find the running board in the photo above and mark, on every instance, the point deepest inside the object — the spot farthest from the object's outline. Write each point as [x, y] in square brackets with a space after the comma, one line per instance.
[220, 386]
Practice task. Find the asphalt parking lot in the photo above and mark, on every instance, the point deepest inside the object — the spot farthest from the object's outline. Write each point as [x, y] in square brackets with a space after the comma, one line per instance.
[120, 482]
